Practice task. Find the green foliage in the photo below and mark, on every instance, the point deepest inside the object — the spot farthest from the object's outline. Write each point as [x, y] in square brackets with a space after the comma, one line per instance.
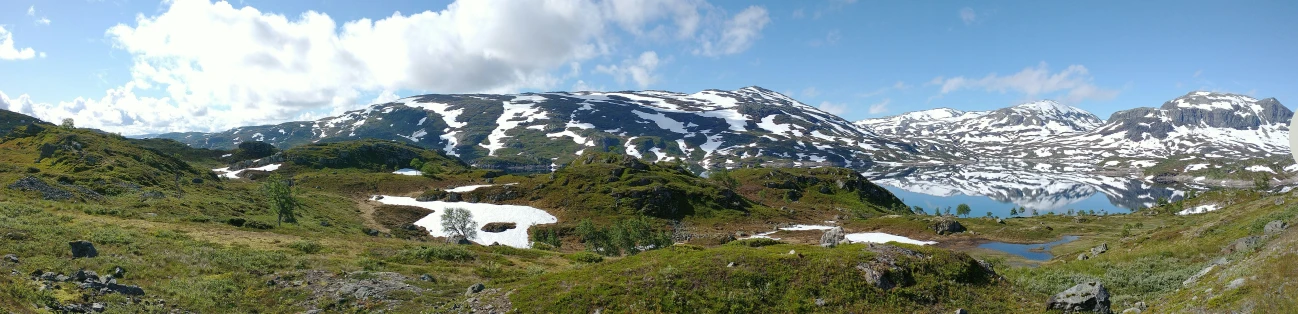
[416, 163]
[283, 202]
[67, 124]
[963, 209]
[250, 150]
[306, 246]
[371, 155]
[454, 253]
[459, 222]
[627, 236]
[755, 242]
[722, 176]
[549, 236]
[586, 257]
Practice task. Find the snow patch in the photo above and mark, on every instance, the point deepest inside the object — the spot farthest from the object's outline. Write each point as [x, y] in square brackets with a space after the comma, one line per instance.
[523, 216]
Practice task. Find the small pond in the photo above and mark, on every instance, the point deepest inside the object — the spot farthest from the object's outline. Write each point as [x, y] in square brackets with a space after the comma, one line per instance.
[1036, 251]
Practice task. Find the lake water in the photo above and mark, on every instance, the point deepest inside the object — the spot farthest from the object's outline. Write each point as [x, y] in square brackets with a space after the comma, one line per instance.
[1036, 252]
[996, 188]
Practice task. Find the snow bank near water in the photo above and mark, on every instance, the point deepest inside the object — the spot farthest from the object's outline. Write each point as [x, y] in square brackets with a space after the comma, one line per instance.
[880, 237]
[1199, 209]
[524, 216]
[408, 172]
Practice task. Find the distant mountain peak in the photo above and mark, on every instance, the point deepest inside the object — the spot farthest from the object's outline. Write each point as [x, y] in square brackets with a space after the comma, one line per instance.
[1048, 105]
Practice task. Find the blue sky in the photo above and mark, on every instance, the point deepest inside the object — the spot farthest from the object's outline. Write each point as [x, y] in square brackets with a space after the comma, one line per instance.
[148, 66]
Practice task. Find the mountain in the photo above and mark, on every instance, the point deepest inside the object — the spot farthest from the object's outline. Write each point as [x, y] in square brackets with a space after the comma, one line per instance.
[540, 130]
[10, 120]
[953, 134]
[1207, 124]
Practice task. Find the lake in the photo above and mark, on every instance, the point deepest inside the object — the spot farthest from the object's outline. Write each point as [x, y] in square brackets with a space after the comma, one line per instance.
[996, 188]
[1036, 252]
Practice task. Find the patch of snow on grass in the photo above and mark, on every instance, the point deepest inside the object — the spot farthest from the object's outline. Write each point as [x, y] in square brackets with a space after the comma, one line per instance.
[1194, 167]
[806, 227]
[408, 172]
[1199, 209]
[523, 216]
[879, 237]
[1259, 168]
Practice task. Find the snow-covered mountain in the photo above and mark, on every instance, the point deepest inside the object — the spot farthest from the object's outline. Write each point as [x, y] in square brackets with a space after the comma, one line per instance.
[1207, 124]
[1213, 125]
[964, 135]
[541, 129]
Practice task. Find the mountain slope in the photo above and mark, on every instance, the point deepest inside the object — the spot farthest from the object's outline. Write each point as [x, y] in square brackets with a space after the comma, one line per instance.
[953, 134]
[539, 130]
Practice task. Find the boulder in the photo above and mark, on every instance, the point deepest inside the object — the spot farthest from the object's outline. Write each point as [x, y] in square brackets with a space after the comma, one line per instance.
[947, 226]
[1103, 247]
[833, 237]
[496, 227]
[1083, 256]
[1244, 244]
[459, 240]
[427, 277]
[876, 276]
[1131, 311]
[126, 289]
[85, 275]
[475, 288]
[11, 258]
[961, 311]
[83, 248]
[1275, 227]
[1000, 221]
[1084, 297]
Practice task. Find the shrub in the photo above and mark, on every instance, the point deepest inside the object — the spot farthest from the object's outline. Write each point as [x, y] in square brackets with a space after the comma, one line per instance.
[306, 246]
[586, 257]
[755, 242]
[258, 225]
[459, 222]
[236, 221]
[441, 252]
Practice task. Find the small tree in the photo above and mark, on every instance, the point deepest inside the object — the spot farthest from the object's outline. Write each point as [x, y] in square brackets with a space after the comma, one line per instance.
[282, 200]
[918, 210]
[1033, 212]
[963, 209]
[722, 177]
[429, 169]
[459, 222]
[67, 123]
[416, 164]
[1014, 212]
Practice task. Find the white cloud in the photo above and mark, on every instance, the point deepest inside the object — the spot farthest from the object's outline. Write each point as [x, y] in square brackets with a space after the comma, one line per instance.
[832, 108]
[738, 34]
[385, 97]
[880, 107]
[968, 15]
[1033, 82]
[640, 70]
[7, 49]
[237, 66]
[810, 92]
[1197, 73]
[31, 11]
[899, 85]
[582, 86]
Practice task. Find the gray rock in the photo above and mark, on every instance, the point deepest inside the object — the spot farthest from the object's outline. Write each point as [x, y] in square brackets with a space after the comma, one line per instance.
[1235, 284]
[1103, 247]
[947, 226]
[83, 248]
[1275, 227]
[1201, 273]
[731, 264]
[1131, 311]
[820, 302]
[961, 311]
[97, 307]
[459, 240]
[11, 258]
[1245, 244]
[475, 288]
[118, 272]
[1141, 305]
[1000, 221]
[48, 192]
[1083, 256]
[126, 289]
[833, 237]
[427, 277]
[1084, 297]
[62, 278]
[876, 276]
[85, 275]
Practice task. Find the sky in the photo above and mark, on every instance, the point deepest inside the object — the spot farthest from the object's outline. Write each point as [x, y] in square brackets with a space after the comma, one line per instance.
[139, 67]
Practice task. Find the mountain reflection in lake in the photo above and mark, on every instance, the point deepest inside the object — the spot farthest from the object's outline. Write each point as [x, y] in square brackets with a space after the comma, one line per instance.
[996, 188]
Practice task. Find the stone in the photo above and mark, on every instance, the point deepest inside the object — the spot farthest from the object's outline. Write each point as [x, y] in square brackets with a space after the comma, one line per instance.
[427, 277]
[820, 302]
[1103, 247]
[1000, 221]
[1141, 306]
[961, 311]
[1275, 227]
[1245, 244]
[1131, 311]
[475, 288]
[119, 272]
[875, 277]
[85, 275]
[497, 227]
[126, 289]
[325, 223]
[833, 237]
[945, 226]
[370, 232]
[11, 258]
[459, 240]
[1083, 256]
[1235, 284]
[731, 264]
[1084, 297]
[97, 307]
[83, 248]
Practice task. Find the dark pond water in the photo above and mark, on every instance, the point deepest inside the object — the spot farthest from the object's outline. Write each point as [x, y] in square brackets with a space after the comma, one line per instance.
[1036, 252]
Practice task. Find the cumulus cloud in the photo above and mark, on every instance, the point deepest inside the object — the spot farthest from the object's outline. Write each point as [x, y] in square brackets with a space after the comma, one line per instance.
[9, 52]
[31, 11]
[832, 108]
[968, 15]
[239, 65]
[1074, 82]
[739, 33]
[880, 107]
[640, 70]
[810, 92]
